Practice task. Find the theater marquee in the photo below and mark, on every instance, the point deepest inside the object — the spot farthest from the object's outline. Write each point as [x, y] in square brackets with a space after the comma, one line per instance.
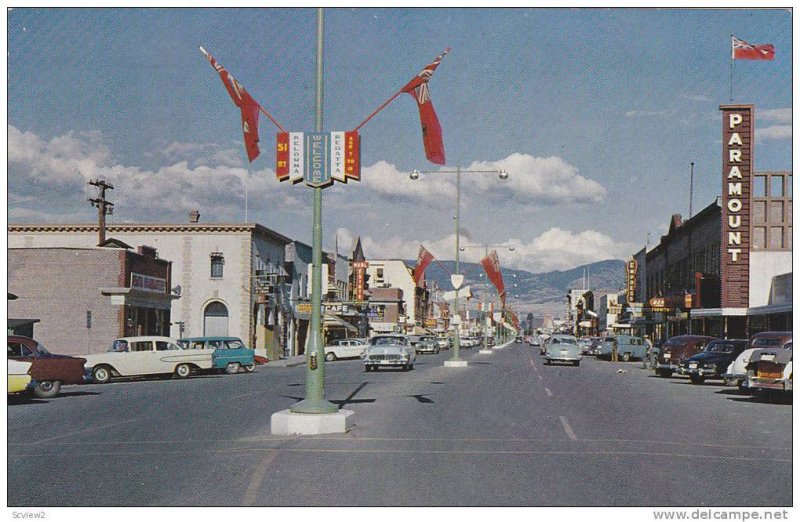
[737, 173]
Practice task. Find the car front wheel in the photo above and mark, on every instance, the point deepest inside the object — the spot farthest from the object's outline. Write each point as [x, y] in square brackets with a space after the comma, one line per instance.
[101, 374]
[249, 368]
[182, 371]
[47, 389]
[232, 368]
[330, 356]
[697, 379]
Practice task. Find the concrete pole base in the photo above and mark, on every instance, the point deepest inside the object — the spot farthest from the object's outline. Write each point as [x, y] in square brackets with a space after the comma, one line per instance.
[286, 422]
[486, 351]
[455, 364]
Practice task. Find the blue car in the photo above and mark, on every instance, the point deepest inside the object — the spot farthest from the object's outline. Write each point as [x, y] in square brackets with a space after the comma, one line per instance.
[230, 353]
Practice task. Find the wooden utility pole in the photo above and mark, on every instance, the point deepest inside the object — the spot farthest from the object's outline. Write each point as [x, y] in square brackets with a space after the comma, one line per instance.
[103, 207]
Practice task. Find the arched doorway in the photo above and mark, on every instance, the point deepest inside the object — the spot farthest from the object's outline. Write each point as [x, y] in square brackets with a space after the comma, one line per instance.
[215, 320]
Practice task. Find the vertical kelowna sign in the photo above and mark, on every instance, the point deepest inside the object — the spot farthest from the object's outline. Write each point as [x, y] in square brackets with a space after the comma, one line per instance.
[737, 174]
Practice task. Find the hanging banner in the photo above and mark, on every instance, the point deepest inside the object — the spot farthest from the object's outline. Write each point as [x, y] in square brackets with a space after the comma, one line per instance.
[318, 158]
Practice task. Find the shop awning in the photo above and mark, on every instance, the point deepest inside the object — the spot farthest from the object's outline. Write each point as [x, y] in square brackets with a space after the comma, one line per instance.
[332, 321]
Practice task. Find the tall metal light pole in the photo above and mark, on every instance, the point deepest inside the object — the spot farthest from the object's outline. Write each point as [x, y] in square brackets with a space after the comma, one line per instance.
[455, 360]
[315, 363]
[486, 248]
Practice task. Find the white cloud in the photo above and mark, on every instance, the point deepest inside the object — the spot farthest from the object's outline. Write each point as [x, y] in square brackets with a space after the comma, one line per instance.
[783, 115]
[531, 180]
[646, 114]
[776, 132]
[555, 249]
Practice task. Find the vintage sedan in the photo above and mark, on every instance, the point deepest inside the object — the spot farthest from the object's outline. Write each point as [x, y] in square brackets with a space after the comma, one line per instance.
[389, 350]
[562, 348]
[48, 371]
[19, 376]
[770, 370]
[736, 374]
[712, 362]
[677, 350]
[227, 353]
[628, 347]
[427, 344]
[146, 355]
[345, 349]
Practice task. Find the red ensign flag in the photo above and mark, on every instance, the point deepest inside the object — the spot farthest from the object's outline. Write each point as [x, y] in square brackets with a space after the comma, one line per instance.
[742, 50]
[492, 266]
[246, 104]
[424, 259]
[431, 130]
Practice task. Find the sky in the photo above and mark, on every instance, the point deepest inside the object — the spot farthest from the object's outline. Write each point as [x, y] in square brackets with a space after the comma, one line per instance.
[596, 114]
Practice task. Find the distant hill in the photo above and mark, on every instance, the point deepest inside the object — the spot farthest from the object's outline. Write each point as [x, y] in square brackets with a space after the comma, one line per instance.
[538, 293]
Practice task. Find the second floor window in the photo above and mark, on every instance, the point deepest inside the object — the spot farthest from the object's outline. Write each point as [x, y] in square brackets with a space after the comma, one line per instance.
[217, 264]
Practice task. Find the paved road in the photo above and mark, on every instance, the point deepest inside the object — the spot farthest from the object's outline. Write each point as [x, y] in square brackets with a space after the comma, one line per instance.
[506, 431]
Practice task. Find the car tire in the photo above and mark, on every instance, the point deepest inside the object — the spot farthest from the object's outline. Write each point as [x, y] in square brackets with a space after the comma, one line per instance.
[436, 351]
[183, 371]
[231, 368]
[367, 368]
[101, 374]
[664, 373]
[626, 357]
[249, 368]
[546, 362]
[577, 363]
[330, 356]
[47, 389]
[697, 379]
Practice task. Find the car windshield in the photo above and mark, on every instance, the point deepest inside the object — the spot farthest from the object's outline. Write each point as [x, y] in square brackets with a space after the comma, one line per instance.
[378, 341]
[119, 346]
[564, 340]
[674, 342]
[41, 349]
[765, 342]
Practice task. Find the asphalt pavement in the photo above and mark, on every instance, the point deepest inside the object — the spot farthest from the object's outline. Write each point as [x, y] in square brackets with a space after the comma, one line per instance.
[505, 431]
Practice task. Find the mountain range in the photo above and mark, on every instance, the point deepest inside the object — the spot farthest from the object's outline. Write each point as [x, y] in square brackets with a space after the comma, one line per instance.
[537, 293]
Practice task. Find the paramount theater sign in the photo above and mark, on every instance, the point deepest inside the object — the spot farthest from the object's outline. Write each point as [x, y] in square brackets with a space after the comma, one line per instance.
[737, 171]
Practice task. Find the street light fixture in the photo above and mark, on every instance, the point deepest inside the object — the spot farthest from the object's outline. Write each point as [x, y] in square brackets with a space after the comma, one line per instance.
[486, 248]
[456, 360]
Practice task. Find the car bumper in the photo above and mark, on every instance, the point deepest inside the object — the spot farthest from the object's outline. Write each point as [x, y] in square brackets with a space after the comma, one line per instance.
[387, 362]
[763, 383]
[708, 373]
[670, 367]
[564, 358]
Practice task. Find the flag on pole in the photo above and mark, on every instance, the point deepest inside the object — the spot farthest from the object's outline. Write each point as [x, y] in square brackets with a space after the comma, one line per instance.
[741, 50]
[248, 106]
[491, 264]
[431, 130]
[424, 259]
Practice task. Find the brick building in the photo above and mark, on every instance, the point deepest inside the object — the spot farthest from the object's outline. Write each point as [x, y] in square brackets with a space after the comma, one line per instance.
[86, 297]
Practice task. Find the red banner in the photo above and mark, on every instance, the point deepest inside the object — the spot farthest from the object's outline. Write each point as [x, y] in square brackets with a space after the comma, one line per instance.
[424, 258]
[491, 264]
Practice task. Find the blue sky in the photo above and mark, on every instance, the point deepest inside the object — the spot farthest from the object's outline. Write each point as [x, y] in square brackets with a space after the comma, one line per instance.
[596, 115]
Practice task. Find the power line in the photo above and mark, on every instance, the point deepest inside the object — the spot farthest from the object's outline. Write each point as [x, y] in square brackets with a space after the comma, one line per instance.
[104, 207]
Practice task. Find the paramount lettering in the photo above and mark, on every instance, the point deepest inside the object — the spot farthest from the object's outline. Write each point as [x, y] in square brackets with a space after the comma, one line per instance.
[734, 189]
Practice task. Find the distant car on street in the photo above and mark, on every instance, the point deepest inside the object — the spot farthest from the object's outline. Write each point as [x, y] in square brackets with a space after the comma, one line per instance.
[628, 347]
[345, 349]
[228, 353]
[427, 344]
[48, 371]
[712, 362]
[389, 350]
[444, 342]
[519, 339]
[146, 355]
[678, 349]
[736, 374]
[562, 348]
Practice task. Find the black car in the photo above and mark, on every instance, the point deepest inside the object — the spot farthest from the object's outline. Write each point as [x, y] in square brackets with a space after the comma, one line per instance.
[714, 360]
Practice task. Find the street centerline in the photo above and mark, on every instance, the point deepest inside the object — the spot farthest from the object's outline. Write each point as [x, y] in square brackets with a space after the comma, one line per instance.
[568, 428]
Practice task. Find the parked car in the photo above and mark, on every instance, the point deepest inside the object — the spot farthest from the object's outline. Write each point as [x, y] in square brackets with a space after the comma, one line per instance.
[389, 350]
[228, 353]
[444, 343]
[146, 355]
[594, 348]
[712, 362]
[585, 344]
[345, 349]
[469, 342]
[427, 344]
[19, 376]
[48, 371]
[770, 370]
[518, 339]
[562, 348]
[736, 374]
[628, 347]
[677, 349]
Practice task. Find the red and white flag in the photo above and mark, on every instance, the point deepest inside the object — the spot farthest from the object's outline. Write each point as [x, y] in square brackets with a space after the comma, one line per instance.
[491, 264]
[741, 50]
[246, 104]
[424, 259]
[431, 130]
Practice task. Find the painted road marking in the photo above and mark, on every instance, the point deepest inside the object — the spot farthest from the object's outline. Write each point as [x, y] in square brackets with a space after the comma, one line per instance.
[257, 478]
[549, 393]
[568, 428]
[84, 431]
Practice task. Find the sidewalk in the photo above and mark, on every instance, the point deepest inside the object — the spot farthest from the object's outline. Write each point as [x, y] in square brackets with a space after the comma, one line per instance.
[288, 362]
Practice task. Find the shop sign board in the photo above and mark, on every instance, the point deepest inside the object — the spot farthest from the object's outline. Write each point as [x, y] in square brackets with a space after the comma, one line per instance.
[737, 172]
[148, 283]
[631, 288]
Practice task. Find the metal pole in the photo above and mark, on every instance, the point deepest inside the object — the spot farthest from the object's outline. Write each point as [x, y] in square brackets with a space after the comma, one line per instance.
[315, 360]
[457, 327]
[691, 188]
[485, 292]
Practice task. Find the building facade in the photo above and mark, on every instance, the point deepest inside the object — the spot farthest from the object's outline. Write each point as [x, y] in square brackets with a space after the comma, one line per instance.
[84, 298]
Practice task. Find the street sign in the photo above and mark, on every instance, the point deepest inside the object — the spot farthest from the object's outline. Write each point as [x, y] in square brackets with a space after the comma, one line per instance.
[457, 280]
[318, 158]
